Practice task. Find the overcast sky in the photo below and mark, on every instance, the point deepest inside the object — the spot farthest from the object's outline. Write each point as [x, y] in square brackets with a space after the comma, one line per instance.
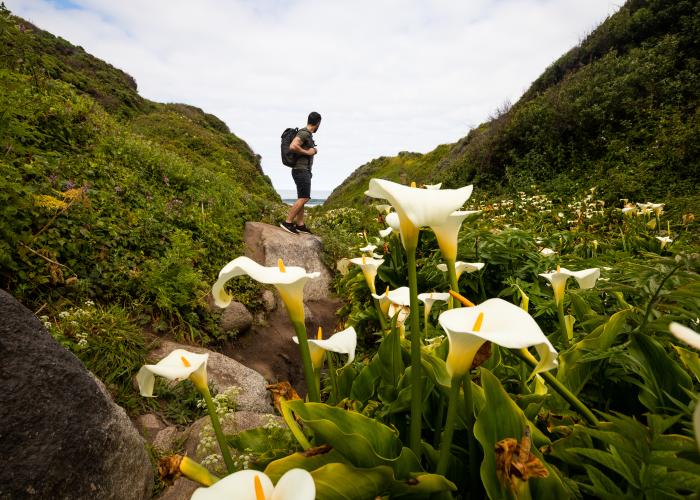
[387, 76]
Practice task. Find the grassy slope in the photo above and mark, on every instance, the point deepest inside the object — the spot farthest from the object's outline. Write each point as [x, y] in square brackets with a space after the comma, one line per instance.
[163, 190]
[622, 106]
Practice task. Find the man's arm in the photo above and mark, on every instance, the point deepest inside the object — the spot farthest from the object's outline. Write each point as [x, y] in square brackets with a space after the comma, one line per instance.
[295, 146]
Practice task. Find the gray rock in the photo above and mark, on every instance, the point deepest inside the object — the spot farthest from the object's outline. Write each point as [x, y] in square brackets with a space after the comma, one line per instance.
[223, 373]
[265, 244]
[166, 439]
[232, 423]
[268, 300]
[149, 425]
[236, 318]
[181, 489]
[61, 434]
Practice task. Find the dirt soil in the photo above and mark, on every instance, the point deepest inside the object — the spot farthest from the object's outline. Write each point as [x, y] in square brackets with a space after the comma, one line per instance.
[270, 350]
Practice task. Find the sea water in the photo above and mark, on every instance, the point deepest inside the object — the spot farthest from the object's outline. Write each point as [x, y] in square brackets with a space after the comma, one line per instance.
[289, 196]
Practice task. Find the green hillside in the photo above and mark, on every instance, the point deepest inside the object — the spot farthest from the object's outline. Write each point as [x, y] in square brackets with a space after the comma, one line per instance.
[619, 111]
[107, 196]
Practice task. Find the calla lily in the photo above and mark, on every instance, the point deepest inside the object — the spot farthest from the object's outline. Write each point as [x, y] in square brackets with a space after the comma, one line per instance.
[547, 252]
[447, 231]
[393, 221]
[685, 334]
[585, 278]
[368, 248]
[502, 323]
[178, 365]
[385, 232]
[461, 267]
[383, 209]
[343, 342]
[384, 301]
[433, 186]
[665, 240]
[430, 298]
[295, 484]
[369, 269]
[629, 210]
[417, 208]
[289, 282]
[399, 303]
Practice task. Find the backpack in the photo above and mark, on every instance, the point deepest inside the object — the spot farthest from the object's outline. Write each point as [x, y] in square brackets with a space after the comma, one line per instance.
[289, 158]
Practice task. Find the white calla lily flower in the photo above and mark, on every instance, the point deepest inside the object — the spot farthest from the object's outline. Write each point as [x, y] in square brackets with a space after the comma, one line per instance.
[369, 248]
[547, 252]
[384, 301]
[399, 304]
[393, 221]
[665, 240]
[462, 267]
[343, 342]
[586, 279]
[383, 208]
[685, 334]
[385, 232]
[295, 484]
[178, 365]
[417, 208]
[497, 321]
[448, 231]
[369, 267]
[430, 298]
[289, 282]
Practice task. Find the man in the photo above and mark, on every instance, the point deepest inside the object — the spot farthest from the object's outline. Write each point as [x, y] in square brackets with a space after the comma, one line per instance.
[305, 148]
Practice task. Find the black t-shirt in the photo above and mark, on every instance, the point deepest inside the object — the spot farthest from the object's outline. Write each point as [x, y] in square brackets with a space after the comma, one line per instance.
[307, 141]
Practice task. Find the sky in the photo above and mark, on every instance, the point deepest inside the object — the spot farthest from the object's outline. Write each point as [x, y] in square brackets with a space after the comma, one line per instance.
[386, 75]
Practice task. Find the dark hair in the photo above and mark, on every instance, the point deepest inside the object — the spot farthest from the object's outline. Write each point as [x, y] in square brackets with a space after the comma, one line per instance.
[314, 118]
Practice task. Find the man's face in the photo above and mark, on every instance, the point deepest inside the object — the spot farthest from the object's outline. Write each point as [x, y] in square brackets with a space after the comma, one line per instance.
[314, 128]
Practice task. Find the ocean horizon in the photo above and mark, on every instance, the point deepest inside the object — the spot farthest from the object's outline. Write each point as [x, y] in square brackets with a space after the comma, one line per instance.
[318, 196]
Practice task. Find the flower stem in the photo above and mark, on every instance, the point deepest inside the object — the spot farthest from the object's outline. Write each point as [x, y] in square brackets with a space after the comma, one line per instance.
[454, 283]
[472, 446]
[223, 444]
[563, 391]
[196, 472]
[334, 378]
[311, 386]
[562, 322]
[426, 315]
[380, 315]
[447, 433]
[293, 426]
[416, 380]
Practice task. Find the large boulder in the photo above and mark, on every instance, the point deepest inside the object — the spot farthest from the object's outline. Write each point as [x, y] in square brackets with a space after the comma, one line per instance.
[62, 436]
[265, 244]
[236, 319]
[223, 373]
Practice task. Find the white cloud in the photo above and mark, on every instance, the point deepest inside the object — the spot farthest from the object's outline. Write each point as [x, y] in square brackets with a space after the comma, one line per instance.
[386, 76]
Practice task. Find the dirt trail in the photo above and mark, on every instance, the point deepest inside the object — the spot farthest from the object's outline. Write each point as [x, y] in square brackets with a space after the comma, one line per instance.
[270, 350]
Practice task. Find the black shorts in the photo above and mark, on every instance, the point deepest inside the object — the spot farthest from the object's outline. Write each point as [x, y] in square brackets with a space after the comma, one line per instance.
[302, 178]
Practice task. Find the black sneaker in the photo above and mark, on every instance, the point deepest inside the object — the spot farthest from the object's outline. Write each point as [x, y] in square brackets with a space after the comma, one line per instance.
[303, 229]
[289, 227]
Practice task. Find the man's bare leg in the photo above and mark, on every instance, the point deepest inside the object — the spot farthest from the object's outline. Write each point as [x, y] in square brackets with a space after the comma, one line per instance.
[295, 209]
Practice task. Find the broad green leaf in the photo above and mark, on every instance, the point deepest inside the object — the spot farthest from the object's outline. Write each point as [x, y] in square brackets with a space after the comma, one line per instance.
[259, 441]
[501, 418]
[391, 365]
[302, 460]
[690, 359]
[365, 384]
[610, 461]
[604, 486]
[363, 441]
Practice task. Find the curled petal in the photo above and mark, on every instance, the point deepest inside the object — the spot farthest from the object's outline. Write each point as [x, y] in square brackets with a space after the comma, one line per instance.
[685, 334]
[178, 365]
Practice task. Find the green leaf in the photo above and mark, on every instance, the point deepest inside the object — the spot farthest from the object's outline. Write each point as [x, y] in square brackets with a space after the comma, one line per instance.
[302, 460]
[604, 486]
[364, 442]
[610, 461]
[501, 418]
[365, 384]
[690, 359]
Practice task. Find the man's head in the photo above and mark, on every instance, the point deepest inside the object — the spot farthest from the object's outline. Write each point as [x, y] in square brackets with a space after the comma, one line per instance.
[313, 121]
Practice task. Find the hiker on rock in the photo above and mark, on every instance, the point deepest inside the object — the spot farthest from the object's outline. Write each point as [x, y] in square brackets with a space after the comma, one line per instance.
[304, 147]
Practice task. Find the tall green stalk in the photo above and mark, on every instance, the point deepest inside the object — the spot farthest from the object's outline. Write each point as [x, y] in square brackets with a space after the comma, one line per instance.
[562, 323]
[473, 450]
[312, 388]
[416, 369]
[223, 444]
[448, 432]
[563, 391]
[380, 315]
[454, 283]
[333, 376]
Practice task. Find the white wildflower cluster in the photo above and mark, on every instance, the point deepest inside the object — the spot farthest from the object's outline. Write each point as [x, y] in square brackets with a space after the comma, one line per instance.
[82, 338]
[243, 460]
[224, 402]
[272, 424]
